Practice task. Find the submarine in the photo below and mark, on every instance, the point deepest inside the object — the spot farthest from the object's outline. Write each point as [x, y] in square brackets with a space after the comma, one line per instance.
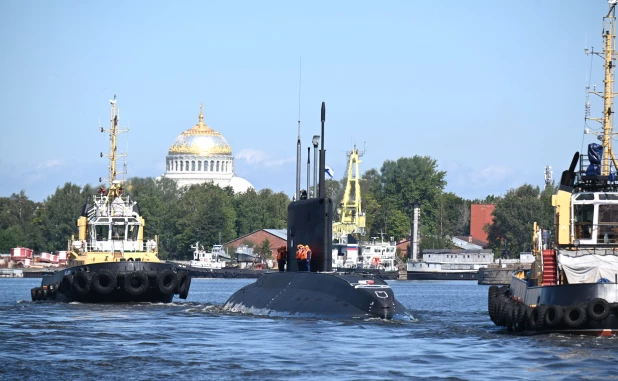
[319, 292]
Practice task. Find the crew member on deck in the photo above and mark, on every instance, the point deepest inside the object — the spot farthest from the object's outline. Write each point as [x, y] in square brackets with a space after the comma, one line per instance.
[282, 257]
[308, 251]
[301, 257]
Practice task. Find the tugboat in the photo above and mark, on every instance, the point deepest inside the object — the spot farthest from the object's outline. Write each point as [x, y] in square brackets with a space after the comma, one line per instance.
[572, 286]
[110, 261]
[320, 292]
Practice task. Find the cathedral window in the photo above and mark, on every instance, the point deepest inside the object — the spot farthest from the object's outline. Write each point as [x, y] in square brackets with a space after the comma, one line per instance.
[181, 165]
[187, 166]
[199, 166]
[217, 165]
[212, 163]
[193, 166]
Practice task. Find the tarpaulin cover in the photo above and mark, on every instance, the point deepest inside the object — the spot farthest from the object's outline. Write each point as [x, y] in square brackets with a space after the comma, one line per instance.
[588, 268]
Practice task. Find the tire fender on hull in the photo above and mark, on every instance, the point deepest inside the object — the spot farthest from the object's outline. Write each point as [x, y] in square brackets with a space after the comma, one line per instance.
[598, 309]
[136, 283]
[104, 281]
[553, 316]
[166, 281]
[574, 316]
[82, 281]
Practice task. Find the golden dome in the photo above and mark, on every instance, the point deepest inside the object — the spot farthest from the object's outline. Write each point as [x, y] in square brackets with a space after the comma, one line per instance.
[200, 140]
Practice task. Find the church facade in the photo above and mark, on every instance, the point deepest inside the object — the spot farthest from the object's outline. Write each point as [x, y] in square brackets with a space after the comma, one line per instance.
[201, 154]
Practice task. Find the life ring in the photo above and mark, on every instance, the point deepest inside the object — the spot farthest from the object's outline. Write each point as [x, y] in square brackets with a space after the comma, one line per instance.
[104, 281]
[598, 309]
[166, 281]
[67, 284]
[183, 284]
[553, 316]
[574, 316]
[82, 282]
[136, 283]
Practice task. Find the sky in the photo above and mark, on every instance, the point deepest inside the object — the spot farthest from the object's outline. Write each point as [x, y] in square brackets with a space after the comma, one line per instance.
[493, 90]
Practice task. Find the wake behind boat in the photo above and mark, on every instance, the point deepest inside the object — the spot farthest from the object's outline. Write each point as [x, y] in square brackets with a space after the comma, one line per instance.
[573, 284]
[110, 261]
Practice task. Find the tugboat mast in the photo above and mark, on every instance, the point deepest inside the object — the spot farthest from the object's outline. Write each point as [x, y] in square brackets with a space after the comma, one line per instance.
[113, 133]
[609, 48]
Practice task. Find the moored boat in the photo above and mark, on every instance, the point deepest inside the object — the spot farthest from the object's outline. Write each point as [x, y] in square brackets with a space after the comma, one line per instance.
[110, 261]
[572, 286]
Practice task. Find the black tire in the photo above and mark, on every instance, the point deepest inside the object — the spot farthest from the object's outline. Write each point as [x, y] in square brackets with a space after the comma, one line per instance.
[509, 313]
[166, 281]
[67, 284]
[520, 323]
[531, 318]
[183, 284]
[136, 283]
[491, 302]
[82, 281]
[540, 317]
[574, 316]
[501, 311]
[598, 309]
[553, 315]
[39, 293]
[44, 294]
[104, 281]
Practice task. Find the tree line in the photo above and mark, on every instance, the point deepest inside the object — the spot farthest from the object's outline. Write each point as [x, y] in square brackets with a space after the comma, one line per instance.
[212, 215]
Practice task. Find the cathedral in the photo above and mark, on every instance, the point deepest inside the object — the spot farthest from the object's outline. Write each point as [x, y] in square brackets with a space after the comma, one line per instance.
[201, 154]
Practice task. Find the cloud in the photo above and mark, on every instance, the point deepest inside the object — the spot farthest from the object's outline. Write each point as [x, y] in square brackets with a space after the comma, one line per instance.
[47, 164]
[490, 175]
[255, 156]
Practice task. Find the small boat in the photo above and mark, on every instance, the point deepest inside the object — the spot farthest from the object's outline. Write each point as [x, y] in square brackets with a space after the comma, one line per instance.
[110, 261]
[572, 286]
[216, 259]
[245, 253]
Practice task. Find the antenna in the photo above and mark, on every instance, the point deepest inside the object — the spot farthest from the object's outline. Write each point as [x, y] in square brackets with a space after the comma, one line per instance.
[548, 176]
[322, 154]
[298, 139]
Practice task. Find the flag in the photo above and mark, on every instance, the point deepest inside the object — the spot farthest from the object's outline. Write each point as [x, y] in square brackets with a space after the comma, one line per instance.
[329, 171]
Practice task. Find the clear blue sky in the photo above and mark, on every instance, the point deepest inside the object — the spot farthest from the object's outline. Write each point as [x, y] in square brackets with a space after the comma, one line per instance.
[494, 90]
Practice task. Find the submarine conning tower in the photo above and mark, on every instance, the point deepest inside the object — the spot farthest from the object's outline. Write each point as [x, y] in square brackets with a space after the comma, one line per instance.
[310, 221]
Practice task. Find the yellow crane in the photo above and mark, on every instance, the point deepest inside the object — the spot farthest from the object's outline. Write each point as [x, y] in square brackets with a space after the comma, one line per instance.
[350, 217]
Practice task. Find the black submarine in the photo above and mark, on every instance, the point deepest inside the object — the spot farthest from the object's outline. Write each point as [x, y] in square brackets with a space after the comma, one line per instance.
[320, 292]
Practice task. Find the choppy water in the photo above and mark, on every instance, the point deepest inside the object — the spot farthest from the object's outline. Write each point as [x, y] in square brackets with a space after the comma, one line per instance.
[452, 338]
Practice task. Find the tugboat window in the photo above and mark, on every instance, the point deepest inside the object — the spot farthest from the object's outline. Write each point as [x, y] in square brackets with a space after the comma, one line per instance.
[132, 233]
[608, 223]
[102, 232]
[118, 232]
[584, 215]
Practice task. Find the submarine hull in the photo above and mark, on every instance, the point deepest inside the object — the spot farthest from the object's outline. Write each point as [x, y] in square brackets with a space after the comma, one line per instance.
[320, 295]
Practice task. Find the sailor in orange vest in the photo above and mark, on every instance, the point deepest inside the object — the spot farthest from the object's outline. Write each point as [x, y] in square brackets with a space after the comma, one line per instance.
[282, 257]
[301, 258]
[308, 251]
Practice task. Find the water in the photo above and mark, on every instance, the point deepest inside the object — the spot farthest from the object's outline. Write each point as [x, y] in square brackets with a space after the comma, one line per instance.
[452, 338]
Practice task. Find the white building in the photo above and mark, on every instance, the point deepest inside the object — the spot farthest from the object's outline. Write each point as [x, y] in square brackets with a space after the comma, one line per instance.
[201, 154]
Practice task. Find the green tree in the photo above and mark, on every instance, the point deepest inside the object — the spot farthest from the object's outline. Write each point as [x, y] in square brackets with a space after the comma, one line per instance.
[60, 213]
[514, 215]
[204, 211]
[157, 201]
[265, 251]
